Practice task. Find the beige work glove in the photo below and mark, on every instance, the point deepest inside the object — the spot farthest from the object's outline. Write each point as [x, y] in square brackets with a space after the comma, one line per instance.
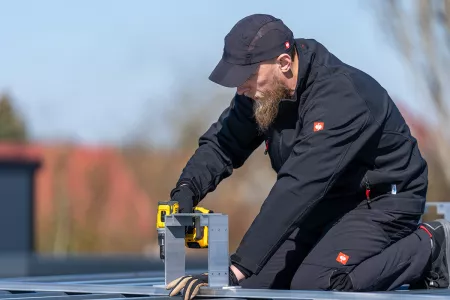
[190, 284]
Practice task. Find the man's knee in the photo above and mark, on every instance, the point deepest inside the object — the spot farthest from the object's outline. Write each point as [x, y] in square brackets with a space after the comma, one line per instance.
[314, 277]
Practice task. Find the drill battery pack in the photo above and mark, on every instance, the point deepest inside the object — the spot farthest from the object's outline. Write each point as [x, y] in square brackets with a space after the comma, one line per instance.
[197, 236]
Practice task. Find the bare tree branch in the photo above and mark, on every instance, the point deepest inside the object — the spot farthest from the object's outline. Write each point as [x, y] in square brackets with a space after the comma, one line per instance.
[422, 36]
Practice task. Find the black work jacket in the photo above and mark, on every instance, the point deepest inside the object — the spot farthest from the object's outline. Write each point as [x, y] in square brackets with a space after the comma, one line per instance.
[339, 136]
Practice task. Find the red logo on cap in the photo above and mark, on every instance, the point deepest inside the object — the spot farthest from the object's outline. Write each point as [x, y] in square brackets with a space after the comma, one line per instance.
[287, 44]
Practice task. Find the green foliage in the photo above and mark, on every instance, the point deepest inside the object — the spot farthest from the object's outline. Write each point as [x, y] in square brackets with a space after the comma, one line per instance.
[12, 127]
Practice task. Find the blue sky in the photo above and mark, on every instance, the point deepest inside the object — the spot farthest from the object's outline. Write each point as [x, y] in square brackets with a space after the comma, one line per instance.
[96, 71]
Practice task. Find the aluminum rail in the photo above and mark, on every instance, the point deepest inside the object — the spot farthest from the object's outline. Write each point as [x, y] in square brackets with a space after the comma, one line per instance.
[322, 295]
[83, 288]
[117, 291]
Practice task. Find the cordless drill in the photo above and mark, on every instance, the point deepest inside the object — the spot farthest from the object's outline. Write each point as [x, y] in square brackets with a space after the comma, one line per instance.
[196, 235]
[164, 209]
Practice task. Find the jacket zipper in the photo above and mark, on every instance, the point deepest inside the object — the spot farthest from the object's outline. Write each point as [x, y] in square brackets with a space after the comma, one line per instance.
[367, 184]
[280, 158]
[266, 150]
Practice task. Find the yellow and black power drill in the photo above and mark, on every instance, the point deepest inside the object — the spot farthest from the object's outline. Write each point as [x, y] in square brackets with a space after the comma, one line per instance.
[196, 235]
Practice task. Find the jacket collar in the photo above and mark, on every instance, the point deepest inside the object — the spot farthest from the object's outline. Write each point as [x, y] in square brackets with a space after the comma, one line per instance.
[305, 58]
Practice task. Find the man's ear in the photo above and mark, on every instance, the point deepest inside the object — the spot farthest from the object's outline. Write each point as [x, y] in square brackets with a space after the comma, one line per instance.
[284, 62]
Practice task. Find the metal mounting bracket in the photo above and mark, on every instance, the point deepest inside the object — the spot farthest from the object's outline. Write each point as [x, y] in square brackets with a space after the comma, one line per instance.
[175, 250]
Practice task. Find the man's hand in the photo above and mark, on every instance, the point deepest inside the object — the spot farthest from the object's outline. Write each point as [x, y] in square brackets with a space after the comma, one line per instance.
[190, 283]
[185, 198]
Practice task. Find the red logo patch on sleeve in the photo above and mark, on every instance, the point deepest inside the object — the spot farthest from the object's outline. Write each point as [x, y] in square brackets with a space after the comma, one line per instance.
[318, 126]
[342, 258]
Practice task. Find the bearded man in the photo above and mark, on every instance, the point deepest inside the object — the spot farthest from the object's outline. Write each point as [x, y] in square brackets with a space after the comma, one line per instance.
[344, 213]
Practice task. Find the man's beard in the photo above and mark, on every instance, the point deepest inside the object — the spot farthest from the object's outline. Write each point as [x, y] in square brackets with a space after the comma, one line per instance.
[267, 106]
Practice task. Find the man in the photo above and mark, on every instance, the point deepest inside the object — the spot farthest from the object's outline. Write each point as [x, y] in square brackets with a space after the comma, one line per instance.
[351, 183]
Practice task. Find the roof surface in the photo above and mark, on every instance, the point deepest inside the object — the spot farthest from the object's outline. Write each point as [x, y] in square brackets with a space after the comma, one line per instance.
[150, 285]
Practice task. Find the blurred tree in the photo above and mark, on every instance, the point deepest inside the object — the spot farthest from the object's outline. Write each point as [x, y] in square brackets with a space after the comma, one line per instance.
[420, 31]
[12, 127]
[62, 222]
[190, 121]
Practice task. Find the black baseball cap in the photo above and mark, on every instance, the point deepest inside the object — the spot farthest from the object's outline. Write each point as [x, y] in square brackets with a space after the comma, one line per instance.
[252, 40]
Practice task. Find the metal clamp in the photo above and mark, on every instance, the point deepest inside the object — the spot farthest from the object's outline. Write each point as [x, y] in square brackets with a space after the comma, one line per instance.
[175, 252]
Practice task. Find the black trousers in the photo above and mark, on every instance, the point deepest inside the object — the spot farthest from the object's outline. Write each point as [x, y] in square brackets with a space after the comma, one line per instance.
[368, 249]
